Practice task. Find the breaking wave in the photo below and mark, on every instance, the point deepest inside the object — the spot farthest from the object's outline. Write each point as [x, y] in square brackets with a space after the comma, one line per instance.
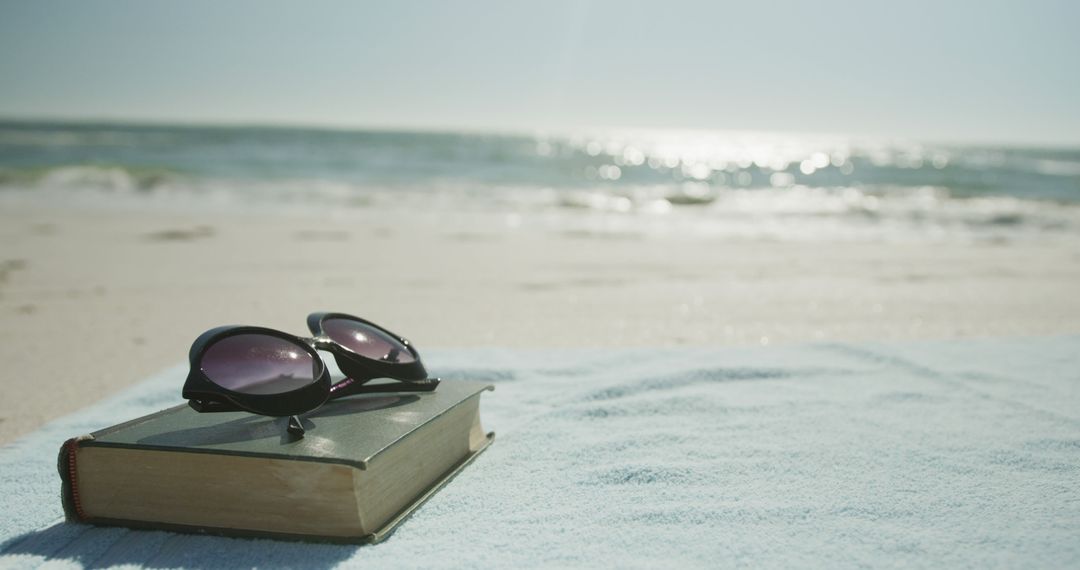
[739, 184]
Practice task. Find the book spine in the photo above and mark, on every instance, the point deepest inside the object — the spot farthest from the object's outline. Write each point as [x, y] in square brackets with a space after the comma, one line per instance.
[69, 480]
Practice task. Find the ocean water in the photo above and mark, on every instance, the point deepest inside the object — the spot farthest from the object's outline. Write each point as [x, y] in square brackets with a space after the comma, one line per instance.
[728, 184]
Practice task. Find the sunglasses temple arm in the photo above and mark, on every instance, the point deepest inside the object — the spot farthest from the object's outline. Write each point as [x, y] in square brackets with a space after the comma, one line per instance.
[210, 406]
[349, 387]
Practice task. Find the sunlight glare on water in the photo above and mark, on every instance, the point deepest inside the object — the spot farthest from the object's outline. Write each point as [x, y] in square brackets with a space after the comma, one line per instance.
[738, 184]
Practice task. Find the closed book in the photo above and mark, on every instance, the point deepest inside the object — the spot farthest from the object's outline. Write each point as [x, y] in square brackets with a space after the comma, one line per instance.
[364, 465]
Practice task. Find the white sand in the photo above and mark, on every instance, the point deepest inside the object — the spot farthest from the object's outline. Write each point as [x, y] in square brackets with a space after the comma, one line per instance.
[95, 301]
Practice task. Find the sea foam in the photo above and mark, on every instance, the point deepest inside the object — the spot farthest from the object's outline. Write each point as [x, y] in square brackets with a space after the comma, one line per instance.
[746, 185]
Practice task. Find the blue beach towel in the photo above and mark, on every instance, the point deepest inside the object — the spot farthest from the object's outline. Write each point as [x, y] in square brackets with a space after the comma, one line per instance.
[942, 454]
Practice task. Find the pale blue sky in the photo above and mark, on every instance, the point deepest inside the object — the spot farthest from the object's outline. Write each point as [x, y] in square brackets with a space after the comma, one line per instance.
[962, 71]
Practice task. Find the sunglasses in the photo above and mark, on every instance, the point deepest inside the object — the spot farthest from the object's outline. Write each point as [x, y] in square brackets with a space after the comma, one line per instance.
[272, 373]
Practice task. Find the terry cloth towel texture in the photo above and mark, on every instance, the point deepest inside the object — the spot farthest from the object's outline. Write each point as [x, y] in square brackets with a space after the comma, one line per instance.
[929, 454]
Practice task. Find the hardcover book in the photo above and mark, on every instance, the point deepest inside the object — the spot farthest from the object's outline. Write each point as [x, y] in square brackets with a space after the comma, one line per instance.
[364, 465]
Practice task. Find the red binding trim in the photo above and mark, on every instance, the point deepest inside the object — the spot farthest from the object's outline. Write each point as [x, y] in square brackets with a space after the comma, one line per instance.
[73, 446]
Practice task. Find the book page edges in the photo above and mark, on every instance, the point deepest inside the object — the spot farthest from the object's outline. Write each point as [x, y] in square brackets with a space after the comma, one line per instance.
[371, 538]
[192, 489]
[389, 527]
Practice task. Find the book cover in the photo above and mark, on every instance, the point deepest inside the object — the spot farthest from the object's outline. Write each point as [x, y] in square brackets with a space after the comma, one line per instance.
[364, 465]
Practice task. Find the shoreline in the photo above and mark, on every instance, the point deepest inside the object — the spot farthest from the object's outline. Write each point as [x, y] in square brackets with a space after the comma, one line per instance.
[95, 301]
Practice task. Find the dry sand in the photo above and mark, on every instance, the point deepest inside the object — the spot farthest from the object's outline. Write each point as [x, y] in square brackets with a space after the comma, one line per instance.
[92, 302]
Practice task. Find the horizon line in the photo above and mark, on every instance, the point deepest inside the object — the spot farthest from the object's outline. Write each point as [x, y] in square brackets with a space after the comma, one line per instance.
[564, 131]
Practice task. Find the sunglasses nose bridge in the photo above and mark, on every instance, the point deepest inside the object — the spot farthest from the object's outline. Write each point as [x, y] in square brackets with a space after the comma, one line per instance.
[320, 342]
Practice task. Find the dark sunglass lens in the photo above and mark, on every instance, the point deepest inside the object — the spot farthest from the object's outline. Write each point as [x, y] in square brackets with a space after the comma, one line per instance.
[258, 364]
[366, 340]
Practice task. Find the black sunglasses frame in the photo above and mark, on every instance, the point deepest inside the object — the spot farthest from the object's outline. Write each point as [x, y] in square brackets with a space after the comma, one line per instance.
[205, 396]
